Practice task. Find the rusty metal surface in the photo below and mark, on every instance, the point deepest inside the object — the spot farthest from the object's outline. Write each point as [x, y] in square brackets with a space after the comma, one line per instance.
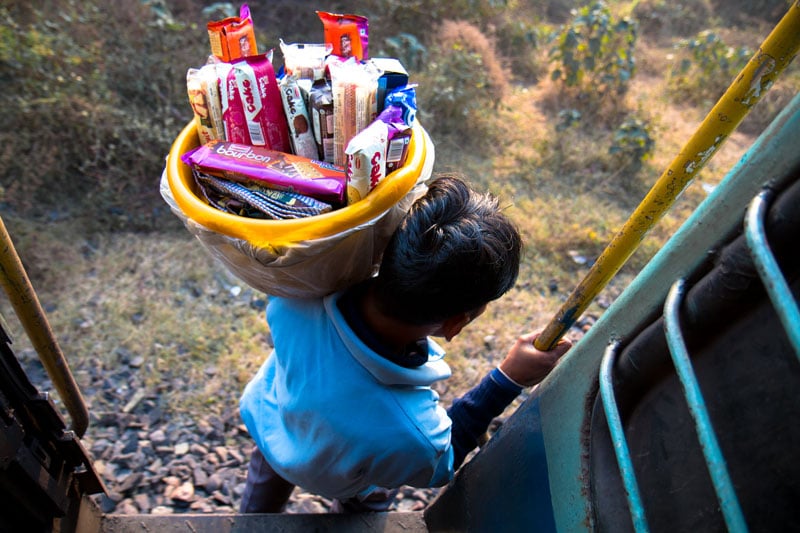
[274, 523]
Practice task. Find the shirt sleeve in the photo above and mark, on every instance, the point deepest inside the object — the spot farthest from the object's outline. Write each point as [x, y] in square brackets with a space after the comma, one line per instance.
[472, 413]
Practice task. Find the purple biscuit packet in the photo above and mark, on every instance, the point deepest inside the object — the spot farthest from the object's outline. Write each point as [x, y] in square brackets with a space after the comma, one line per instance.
[398, 138]
[277, 170]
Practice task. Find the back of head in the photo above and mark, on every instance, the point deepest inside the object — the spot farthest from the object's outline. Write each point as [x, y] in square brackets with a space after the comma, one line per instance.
[452, 253]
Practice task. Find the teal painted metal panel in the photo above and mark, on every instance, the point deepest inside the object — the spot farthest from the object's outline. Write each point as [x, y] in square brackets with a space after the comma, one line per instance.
[565, 393]
[504, 488]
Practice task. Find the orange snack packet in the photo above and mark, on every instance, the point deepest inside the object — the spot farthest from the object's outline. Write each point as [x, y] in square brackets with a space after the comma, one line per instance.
[233, 37]
[347, 34]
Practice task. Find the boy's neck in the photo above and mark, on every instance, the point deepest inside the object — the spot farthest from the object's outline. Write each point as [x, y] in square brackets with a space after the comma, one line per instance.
[395, 334]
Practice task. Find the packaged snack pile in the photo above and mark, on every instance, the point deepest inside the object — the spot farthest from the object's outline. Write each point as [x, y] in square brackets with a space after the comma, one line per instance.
[319, 134]
[283, 181]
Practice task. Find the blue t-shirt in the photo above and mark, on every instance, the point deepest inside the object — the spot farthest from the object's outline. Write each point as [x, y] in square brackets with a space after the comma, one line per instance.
[337, 418]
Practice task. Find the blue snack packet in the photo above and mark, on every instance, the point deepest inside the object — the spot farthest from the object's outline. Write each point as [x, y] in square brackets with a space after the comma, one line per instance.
[406, 99]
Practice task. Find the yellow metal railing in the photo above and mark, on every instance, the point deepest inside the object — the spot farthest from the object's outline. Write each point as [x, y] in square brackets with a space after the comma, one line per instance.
[776, 52]
[27, 307]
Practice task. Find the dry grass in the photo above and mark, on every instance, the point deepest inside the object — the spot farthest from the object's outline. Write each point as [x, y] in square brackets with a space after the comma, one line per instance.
[159, 297]
[460, 34]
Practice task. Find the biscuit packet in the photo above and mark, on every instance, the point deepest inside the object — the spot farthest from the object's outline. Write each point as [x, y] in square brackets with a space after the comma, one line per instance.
[294, 106]
[366, 160]
[399, 114]
[398, 137]
[393, 75]
[406, 99]
[203, 86]
[320, 104]
[354, 86]
[348, 35]
[233, 37]
[276, 170]
[210, 80]
[201, 107]
[255, 201]
[254, 113]
[305, 61]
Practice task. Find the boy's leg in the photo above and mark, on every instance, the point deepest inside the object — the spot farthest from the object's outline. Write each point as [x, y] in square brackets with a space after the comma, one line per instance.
[265, 491]
[377, 501]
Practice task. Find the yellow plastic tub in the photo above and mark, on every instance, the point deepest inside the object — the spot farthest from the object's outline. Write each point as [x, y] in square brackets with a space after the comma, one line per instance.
[273, 233]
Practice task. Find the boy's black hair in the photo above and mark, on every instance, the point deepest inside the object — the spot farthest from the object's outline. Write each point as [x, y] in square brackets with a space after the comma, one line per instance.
[452, 253]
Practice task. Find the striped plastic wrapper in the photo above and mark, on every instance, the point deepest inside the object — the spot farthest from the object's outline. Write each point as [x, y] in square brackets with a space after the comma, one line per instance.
[256, 201]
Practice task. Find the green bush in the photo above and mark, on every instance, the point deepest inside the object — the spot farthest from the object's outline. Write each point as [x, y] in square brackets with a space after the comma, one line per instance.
[567, 118]
[594, 52]
[408, 50]
[519, 40]
[744, 12]
[632, 144]
[665, 20]
[704, 67]
[463, 78]
[423, 17]
[93, 95]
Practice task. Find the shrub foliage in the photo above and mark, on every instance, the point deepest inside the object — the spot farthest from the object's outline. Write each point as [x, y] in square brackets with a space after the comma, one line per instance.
[705, 66]
[463, 78]
[632, 144]
[595, 52]
[93, 95]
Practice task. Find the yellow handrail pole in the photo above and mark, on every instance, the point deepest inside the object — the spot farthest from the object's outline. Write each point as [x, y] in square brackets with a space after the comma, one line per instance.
[776, 52]
[26, 304]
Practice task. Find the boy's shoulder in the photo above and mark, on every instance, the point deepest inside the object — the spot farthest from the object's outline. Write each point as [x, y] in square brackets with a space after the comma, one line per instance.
[295, 304]
[282, 309]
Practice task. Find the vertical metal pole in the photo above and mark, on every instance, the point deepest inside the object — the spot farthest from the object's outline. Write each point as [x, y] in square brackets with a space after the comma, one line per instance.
[26, 304]
[770, 272]
[715, 461]
[621, 450]
[777, 50]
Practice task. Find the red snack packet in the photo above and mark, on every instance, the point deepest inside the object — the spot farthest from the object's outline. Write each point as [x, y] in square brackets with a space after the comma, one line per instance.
[277, 170]
[233, 37]
[347, 34]
[254, 113]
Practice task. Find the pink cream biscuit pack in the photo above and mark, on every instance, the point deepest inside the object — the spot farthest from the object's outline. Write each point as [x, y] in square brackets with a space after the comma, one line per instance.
[253, 110]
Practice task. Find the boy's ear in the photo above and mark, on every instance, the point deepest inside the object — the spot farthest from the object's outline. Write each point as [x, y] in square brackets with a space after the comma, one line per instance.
[452, 326]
